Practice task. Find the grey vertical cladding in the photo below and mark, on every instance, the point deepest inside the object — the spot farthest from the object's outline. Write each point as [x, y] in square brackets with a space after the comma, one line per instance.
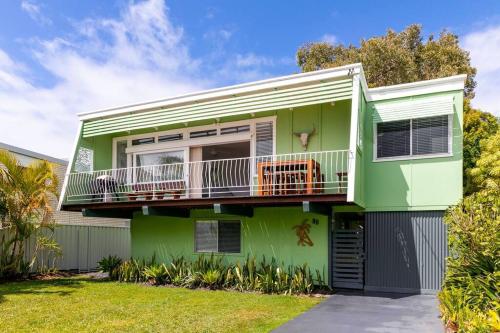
[405, 251]
[83, 246]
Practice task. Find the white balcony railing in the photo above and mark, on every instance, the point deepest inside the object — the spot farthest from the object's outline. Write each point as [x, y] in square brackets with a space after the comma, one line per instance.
[286, 174]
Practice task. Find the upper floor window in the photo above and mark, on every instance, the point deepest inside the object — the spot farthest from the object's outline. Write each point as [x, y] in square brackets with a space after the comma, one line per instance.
[413, 138]
[235, 129]
[201, 134]
[121, 154]
[143, 141]
[170, 137]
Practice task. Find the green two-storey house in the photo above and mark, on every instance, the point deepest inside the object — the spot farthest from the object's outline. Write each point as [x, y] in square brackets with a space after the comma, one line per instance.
[312, 168]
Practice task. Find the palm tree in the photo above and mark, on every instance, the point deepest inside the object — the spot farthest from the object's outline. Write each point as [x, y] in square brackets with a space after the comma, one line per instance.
[25, 210]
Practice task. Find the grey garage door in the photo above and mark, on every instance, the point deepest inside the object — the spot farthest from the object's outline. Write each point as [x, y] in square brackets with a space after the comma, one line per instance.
[405, 251]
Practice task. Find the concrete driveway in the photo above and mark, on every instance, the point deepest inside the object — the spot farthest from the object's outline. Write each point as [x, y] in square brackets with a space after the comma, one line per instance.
[369, 312]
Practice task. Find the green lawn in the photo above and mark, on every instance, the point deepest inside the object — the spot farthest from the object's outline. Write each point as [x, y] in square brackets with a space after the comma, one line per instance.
[81, 304]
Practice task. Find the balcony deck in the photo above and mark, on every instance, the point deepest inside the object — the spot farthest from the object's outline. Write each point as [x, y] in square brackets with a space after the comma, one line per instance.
[275, 180]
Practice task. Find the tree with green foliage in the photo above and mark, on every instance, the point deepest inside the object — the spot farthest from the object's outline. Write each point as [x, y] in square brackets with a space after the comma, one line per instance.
[26, 193]
[486, 173]
[395, 58]
[471, 291]
[405, 57]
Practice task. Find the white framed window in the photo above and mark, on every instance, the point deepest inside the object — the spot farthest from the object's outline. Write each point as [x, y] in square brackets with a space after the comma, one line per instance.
[413, 138]
[160, 166]
[261, 132]
[218, 236]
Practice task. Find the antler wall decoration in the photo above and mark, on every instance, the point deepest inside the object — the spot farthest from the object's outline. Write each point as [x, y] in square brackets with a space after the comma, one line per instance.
[304, 137]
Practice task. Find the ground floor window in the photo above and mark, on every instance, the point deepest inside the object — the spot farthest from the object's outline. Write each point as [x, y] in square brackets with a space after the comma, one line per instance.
[218, 236]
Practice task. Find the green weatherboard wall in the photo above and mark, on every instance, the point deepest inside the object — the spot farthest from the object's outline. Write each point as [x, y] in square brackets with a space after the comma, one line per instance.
[269, 232]
[414, 184]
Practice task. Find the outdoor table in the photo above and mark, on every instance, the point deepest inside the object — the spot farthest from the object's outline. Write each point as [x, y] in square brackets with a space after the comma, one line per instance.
[283, 177]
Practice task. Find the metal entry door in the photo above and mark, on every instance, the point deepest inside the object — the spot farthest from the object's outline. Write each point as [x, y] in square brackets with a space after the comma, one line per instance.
[348, 258]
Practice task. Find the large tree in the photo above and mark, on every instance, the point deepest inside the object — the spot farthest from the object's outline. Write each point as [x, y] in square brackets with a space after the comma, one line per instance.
[404, 57]
[395, 57]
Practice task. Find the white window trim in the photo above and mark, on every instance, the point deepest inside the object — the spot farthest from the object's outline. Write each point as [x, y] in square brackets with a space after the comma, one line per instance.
[411, 156]
[184, 150]
[217, 243]
[187, 143]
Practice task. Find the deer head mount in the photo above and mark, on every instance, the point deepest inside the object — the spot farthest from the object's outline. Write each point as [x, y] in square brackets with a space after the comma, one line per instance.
[304, 137]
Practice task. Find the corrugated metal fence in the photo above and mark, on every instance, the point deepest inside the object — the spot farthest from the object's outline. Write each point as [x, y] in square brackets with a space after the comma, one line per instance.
[405, 251]
[83, 246]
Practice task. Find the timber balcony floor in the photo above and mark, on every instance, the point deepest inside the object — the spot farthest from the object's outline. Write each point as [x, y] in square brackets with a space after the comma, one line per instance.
[254, 201]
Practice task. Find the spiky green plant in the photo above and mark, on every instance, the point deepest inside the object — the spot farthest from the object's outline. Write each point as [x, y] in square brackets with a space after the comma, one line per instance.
[26, 193]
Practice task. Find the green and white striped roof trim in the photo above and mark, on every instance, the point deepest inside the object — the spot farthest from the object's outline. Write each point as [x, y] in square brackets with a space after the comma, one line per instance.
[316, 92]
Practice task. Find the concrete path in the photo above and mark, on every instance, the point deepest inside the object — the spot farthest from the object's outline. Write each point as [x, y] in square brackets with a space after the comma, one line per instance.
[369, 312]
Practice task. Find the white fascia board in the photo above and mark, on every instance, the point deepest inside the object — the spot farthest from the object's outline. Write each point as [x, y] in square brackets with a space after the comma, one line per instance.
[353, 138]
[456, 82]
[364, 84]
[70, 166]
[219, 93]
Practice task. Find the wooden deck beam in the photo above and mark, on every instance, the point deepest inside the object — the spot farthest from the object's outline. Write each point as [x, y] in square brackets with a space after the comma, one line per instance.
[108, 212]
[256, 201]
[239, 210]
[316, 207]
[165, 211]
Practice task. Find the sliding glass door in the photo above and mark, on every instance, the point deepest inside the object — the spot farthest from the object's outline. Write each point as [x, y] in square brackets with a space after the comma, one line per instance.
[159, 166]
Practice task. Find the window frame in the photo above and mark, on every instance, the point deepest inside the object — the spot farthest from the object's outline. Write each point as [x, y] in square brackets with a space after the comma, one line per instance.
[188, 143]
[217, 221]
[412, 156]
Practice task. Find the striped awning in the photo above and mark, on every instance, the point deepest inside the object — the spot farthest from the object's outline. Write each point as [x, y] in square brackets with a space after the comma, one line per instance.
[420, 108]
[315, 93]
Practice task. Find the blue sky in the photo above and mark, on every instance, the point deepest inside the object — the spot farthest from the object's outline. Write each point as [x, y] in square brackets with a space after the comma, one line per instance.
[59, 58]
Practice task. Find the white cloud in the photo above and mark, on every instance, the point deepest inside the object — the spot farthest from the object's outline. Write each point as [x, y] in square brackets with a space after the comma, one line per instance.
[252, 60]
[484, 48]
[34, 12]
[328, 38]
[107, 62]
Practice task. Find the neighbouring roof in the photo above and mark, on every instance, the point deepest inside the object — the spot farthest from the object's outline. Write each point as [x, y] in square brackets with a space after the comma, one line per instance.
[32, 154]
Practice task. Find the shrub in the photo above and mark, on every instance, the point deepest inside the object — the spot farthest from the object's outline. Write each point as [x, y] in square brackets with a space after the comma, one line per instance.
[211, 272]
[471, 289]
[156, 274]
[460, 317]
[212, 279]
[133, 270]
[110, 265]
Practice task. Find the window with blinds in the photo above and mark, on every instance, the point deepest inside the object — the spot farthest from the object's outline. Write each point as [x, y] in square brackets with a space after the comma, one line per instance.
[218, 236]
[393, 139]
[414, 137]
[264, 140]
[430, 135]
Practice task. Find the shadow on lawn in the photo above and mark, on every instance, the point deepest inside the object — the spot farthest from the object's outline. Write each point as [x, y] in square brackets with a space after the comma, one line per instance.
[58, 286]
